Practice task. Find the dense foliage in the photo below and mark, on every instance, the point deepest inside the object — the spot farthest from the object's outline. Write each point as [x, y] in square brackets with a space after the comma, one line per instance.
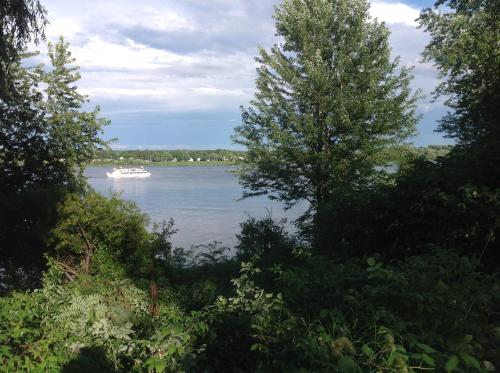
[409, 280]
[289, 310]
[92, 324]
[464, 46]
[20, 22]
[465, 36]
[45, 140]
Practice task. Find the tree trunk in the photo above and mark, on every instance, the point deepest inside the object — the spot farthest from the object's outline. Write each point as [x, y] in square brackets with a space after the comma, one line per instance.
[154, 308]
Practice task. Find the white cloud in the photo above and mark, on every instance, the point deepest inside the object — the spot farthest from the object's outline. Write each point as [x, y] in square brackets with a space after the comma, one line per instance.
[171, 56]
[91, 14]
[98, 53]
[393, 13]
[164, 19]
[139, 77]
[63, 26]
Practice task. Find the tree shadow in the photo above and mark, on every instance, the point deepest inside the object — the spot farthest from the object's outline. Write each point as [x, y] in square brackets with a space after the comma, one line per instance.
[90, 359]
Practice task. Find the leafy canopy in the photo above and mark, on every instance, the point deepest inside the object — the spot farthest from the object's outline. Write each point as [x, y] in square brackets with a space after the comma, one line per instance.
[328, 100]
[465, 41]
[46, 135]
[73, 133]
[21, 21]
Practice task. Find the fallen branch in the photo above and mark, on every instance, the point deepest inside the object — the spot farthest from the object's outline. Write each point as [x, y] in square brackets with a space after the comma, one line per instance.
[69, 272]
[88, 252]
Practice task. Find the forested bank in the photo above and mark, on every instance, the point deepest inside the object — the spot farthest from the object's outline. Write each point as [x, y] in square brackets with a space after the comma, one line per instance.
[388, 271]
[229, 157]
[167, 157]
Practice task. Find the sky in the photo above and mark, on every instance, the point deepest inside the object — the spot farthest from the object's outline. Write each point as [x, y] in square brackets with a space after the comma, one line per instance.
[172, 74]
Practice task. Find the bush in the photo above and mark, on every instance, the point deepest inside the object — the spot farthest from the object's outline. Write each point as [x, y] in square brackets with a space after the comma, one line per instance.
[429, 312]
[90, 223]
[425, 204]
[68, 326]
[436, 204]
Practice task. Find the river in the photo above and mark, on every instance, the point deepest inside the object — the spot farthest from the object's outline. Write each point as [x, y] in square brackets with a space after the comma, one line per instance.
[204, 201]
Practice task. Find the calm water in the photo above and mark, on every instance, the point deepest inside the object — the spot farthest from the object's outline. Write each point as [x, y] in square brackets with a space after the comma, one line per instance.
[202, 200]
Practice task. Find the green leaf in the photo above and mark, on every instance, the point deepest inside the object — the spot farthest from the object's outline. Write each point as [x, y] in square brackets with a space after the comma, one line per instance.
[429, 360]
[451, 364]
[468, 339]
[425, 348]
[367, 350]
[371, 261]
[160, 366]
[471, 361]
[391, 358]
[346, 364]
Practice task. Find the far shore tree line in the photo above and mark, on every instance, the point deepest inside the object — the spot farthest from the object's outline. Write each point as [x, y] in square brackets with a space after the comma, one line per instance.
[176, 155]
[430, 152]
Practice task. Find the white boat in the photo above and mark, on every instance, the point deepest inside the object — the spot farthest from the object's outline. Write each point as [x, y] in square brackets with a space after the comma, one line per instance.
[128, 173]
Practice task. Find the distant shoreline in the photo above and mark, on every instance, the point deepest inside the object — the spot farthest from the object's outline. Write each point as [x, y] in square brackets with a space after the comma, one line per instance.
[163, 164]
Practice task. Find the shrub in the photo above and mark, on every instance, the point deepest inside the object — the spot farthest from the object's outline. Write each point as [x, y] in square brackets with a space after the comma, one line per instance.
[64, 326]
[428, 312]
[93, 222]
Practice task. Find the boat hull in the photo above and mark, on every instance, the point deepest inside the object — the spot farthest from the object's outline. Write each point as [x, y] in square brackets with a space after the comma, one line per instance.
[128, 173]
[122, 176]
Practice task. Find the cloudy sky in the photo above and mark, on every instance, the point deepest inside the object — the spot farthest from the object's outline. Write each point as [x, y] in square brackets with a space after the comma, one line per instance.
[173, 73]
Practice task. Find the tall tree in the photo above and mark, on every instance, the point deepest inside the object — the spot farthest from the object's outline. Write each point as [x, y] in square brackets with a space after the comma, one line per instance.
[45, 139]
[73, 134]
[465, 46]
[465, 40]
[328, 100]
[21, 120]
